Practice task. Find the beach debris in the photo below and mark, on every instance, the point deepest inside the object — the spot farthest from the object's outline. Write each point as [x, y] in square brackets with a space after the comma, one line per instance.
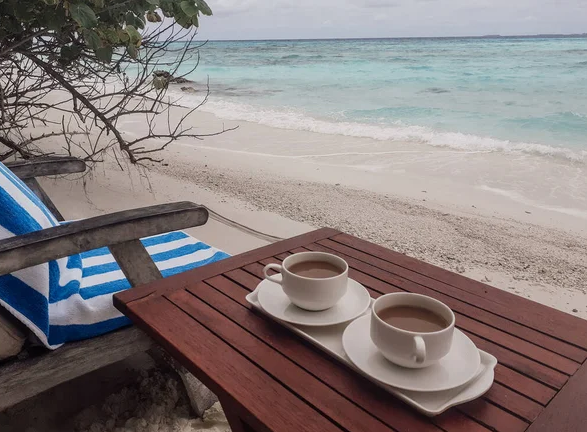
[485, 279]
[180, 80]
[460, 269]
[575, 310]
[527, 212]
[166, 77]
[189, 89]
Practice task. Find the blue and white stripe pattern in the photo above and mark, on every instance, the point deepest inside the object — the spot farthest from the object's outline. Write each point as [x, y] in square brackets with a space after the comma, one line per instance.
[89, 311]
[71, 298]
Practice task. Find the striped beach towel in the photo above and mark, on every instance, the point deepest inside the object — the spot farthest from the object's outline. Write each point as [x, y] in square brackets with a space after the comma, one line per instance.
[71, 298]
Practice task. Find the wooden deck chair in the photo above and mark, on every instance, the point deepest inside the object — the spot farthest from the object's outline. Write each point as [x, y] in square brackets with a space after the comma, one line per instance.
[120, 233]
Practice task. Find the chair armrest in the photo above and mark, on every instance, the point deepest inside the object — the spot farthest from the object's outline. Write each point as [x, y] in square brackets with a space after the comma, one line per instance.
[79, 236]
[46, 166]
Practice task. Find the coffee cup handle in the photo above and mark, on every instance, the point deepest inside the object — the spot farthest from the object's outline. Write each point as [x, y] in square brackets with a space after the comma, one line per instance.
[272, 278]
[420, 355]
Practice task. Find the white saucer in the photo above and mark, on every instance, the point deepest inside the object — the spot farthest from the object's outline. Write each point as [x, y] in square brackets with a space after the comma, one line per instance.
[455, 369]
[274, 301]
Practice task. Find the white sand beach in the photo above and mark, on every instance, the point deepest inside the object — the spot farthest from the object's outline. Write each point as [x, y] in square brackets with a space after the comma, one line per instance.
[514, 221]
[485, 215]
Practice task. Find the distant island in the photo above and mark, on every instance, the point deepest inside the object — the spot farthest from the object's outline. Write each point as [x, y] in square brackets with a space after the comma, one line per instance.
[491, 36]
[543, 35]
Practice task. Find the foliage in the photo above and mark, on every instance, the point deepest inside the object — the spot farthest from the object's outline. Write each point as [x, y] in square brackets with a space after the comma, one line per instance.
[99, 56]
[99, 24]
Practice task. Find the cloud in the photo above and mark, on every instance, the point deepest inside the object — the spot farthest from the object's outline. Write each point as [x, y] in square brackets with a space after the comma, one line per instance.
[223, 8]
[306, 19]
[380, 4]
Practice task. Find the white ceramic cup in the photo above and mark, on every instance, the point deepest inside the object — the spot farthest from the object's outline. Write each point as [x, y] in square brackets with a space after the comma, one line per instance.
[406, 348]
[312, 294]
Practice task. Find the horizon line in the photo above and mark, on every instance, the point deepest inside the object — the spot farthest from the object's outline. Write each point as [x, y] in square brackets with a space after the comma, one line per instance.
[489, 36]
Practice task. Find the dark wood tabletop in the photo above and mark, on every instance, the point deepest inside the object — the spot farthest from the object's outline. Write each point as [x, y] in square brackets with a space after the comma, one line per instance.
[269, 379]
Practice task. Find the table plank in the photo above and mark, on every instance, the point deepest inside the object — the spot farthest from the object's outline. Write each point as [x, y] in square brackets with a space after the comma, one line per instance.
[546, 319]
[523, 384]
[221, 369]
[527, 366]
[514, 402]
[538, 391]
[495, 417]
[250, 281]
[297, 380]
[521, 364]
[337, 376]
[407, 277]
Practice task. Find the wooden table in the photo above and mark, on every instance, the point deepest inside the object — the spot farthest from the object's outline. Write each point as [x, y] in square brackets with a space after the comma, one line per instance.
[270, 380]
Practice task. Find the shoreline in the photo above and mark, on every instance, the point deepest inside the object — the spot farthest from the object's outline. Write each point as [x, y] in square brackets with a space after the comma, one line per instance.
[232, 109]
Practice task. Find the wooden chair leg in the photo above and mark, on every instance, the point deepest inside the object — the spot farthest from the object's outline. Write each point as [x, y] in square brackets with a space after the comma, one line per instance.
[235, 422]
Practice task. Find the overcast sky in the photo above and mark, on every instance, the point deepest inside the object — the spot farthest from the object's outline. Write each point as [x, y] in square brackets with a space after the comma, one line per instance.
[302, 19]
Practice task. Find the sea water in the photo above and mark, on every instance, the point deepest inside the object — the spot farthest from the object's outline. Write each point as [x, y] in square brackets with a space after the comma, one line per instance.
[480, 94]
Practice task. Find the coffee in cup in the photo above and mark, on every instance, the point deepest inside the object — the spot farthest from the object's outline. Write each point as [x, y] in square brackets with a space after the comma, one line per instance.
[412, 330]
[312, 280]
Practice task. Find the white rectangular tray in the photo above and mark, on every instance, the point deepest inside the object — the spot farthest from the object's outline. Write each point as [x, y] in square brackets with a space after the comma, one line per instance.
[329, 340]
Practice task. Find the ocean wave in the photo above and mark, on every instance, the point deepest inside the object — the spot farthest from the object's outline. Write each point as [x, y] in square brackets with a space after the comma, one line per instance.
[404, 133]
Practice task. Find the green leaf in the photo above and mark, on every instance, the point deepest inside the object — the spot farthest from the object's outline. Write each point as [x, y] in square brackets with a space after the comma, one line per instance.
[195, 21]
[111, 35]
[167, 8]
[54, 18]
[188, 8]
[123, 36]
[138, 9]
[49, 2]
[153, 2]
[184, 21]
[204, 8]
[92, 39]
[83, 15]
[133, 51]
[136, 21]
[133, 34]
[105, 54]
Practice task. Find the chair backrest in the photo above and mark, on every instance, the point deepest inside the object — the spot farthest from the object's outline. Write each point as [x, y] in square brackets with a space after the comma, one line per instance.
[27, 293]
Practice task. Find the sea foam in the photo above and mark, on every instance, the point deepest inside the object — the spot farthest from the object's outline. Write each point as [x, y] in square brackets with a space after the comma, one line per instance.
[293, 120]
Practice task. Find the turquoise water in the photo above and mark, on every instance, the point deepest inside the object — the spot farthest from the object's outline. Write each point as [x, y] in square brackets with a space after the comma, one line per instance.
[523, 94]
